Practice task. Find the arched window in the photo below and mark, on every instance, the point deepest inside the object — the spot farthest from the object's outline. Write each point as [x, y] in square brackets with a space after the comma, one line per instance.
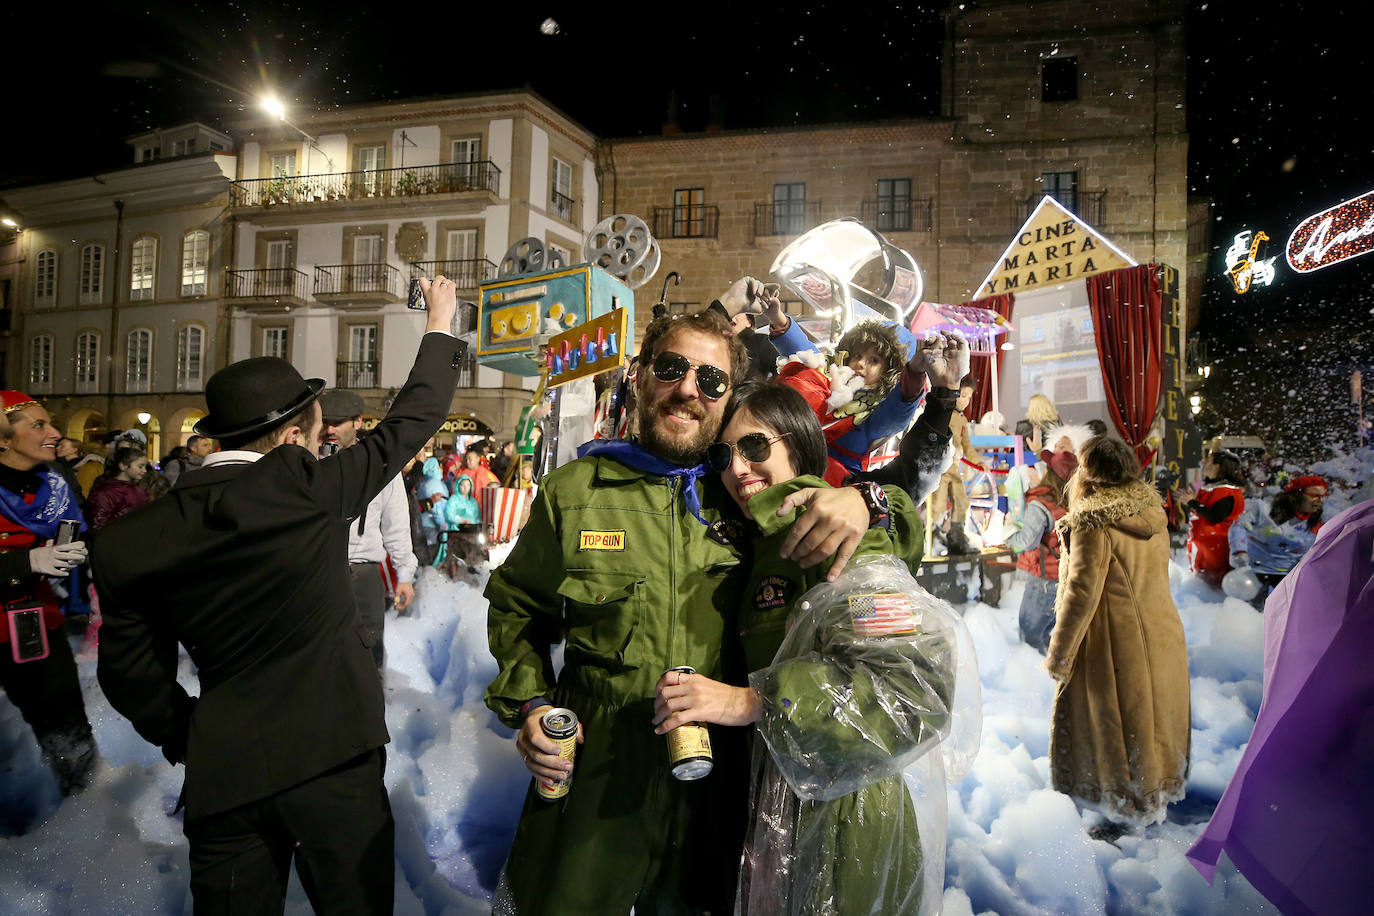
[195, 262]
[45, 278]
[92, 273]
[143, 268]
[87, 361]
[190, 358]
[138, 364]
[40, 364]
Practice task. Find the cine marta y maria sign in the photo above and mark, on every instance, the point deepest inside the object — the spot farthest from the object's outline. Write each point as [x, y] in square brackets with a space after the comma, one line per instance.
[1052, 247]
[1343, 232]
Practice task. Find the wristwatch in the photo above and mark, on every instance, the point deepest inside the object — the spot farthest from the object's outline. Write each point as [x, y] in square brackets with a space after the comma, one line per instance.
[879, 512]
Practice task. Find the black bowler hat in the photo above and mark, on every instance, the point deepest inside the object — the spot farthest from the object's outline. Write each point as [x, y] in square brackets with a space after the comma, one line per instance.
[254, 396]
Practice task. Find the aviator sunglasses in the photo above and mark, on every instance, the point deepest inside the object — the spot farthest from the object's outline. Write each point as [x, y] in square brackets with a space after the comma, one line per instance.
[752, 447]
[711, 381]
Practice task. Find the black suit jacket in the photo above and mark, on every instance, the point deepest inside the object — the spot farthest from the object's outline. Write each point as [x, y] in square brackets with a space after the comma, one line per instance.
[247, 566]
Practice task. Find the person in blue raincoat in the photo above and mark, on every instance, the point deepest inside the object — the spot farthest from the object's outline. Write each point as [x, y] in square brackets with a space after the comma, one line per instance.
[431, 494]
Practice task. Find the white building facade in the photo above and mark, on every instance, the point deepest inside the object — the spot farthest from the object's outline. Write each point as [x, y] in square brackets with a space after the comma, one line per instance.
[332, 215]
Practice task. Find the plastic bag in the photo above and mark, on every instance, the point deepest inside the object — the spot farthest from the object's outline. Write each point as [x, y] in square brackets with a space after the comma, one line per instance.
[862, 688]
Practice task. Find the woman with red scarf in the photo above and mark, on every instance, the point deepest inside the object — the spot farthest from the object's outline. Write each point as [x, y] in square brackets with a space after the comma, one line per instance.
[1218, 503]
[37, 670]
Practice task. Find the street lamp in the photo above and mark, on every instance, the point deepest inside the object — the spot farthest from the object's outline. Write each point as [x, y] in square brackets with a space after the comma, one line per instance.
[144, 417]
[274, 106]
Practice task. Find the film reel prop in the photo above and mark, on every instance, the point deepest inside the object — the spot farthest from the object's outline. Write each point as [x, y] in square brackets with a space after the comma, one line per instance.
[529, 256]
[623, 246]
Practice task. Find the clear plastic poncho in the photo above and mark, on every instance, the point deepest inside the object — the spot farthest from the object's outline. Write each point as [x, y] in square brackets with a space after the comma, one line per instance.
[848, 800]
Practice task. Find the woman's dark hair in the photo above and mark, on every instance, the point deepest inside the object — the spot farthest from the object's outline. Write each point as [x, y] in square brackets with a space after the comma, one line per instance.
[1286, 507]
[785, 412]
[180, 452]
[1108, 462]
[1228, 468]
[121, 456]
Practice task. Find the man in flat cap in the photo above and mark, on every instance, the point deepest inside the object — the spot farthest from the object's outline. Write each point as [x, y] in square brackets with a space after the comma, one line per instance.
[243, 563]
[382, 529]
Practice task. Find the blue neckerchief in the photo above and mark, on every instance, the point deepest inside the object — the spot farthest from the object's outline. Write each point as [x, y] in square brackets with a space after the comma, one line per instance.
[51, 504]
[634, 455]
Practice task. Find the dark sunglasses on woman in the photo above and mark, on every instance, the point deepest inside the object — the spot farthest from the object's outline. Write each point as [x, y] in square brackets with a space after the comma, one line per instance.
[752, 447]
[712, 382]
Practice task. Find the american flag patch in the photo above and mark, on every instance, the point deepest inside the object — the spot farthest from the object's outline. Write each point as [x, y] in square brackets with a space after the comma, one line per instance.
[882, 615]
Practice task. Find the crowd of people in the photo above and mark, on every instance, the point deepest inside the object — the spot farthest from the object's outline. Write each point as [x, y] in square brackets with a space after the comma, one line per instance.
[739, 568]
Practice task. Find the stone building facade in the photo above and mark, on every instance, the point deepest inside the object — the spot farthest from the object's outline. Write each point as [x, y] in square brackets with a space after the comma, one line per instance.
[1049, 98]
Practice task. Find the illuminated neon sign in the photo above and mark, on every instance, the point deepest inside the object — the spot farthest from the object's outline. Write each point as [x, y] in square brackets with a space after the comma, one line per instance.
[1243, 265]
[1343, 232]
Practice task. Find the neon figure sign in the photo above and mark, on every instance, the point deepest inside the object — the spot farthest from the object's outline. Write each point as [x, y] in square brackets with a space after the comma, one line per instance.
[1243, 265]
[1343, 232]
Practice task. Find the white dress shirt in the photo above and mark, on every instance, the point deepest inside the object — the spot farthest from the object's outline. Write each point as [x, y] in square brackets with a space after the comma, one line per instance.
[385, 530]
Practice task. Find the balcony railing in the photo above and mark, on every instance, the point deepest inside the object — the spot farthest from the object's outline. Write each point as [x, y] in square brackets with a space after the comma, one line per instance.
[445, 178]
[561, 206]
[356, 374]
[786, 217]
[687, 222]
[351, 279]
[1089, 206]
[467, 274]
[265, 283]
[898, 214]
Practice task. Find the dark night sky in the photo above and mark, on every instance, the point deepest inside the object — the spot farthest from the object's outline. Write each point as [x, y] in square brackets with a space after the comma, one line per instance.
[1275, 95]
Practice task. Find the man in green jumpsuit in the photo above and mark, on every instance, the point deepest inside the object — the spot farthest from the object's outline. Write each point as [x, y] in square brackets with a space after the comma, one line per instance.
[632, 558]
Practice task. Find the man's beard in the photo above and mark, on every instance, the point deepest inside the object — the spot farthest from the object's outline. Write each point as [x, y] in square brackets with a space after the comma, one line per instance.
[682, 451]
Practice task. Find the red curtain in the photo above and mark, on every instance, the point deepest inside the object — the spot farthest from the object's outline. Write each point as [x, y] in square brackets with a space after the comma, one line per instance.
[981, 366]
[1126, 316]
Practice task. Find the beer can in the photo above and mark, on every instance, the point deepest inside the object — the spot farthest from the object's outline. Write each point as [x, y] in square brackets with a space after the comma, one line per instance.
[560, 725]
[689, 745]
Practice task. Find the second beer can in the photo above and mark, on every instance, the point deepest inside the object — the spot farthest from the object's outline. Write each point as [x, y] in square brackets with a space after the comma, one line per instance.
[560, 725]
[689, 745]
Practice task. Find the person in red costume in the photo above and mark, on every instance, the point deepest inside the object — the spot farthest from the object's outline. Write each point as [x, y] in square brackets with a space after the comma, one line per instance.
[1219, 502]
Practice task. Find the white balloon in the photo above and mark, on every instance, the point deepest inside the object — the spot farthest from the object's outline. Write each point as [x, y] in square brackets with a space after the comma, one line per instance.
[1241, 583]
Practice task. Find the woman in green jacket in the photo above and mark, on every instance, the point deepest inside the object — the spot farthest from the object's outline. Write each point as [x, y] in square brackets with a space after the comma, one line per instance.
[850, 683]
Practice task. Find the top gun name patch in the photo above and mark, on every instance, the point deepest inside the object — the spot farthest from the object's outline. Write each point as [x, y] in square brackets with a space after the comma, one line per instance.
[601, 540]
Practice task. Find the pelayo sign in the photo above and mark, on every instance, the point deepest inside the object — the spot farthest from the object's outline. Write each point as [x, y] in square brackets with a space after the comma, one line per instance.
[1343, 232]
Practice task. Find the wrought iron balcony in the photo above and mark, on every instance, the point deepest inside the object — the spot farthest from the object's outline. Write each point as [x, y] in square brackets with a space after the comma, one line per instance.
[1089, 206]
[445, 178]
[356, 374]
[898, 214]
[561, 206]
[786, 217]
[266, 289]
[360, 284]
[687, 222]
[467, 274]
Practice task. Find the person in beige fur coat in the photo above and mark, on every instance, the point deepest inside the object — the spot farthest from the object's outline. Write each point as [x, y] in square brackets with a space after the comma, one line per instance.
[1120, 736]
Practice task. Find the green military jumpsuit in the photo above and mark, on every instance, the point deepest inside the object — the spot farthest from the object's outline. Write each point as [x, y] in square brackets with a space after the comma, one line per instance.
[612, 562]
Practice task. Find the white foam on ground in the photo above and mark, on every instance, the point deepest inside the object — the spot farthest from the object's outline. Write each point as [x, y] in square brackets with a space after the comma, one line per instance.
[456, 784]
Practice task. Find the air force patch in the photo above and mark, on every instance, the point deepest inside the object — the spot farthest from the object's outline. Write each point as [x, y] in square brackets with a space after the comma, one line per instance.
[774, 591]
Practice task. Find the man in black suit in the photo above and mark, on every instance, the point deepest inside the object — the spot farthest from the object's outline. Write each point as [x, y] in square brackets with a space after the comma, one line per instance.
[245, 563]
